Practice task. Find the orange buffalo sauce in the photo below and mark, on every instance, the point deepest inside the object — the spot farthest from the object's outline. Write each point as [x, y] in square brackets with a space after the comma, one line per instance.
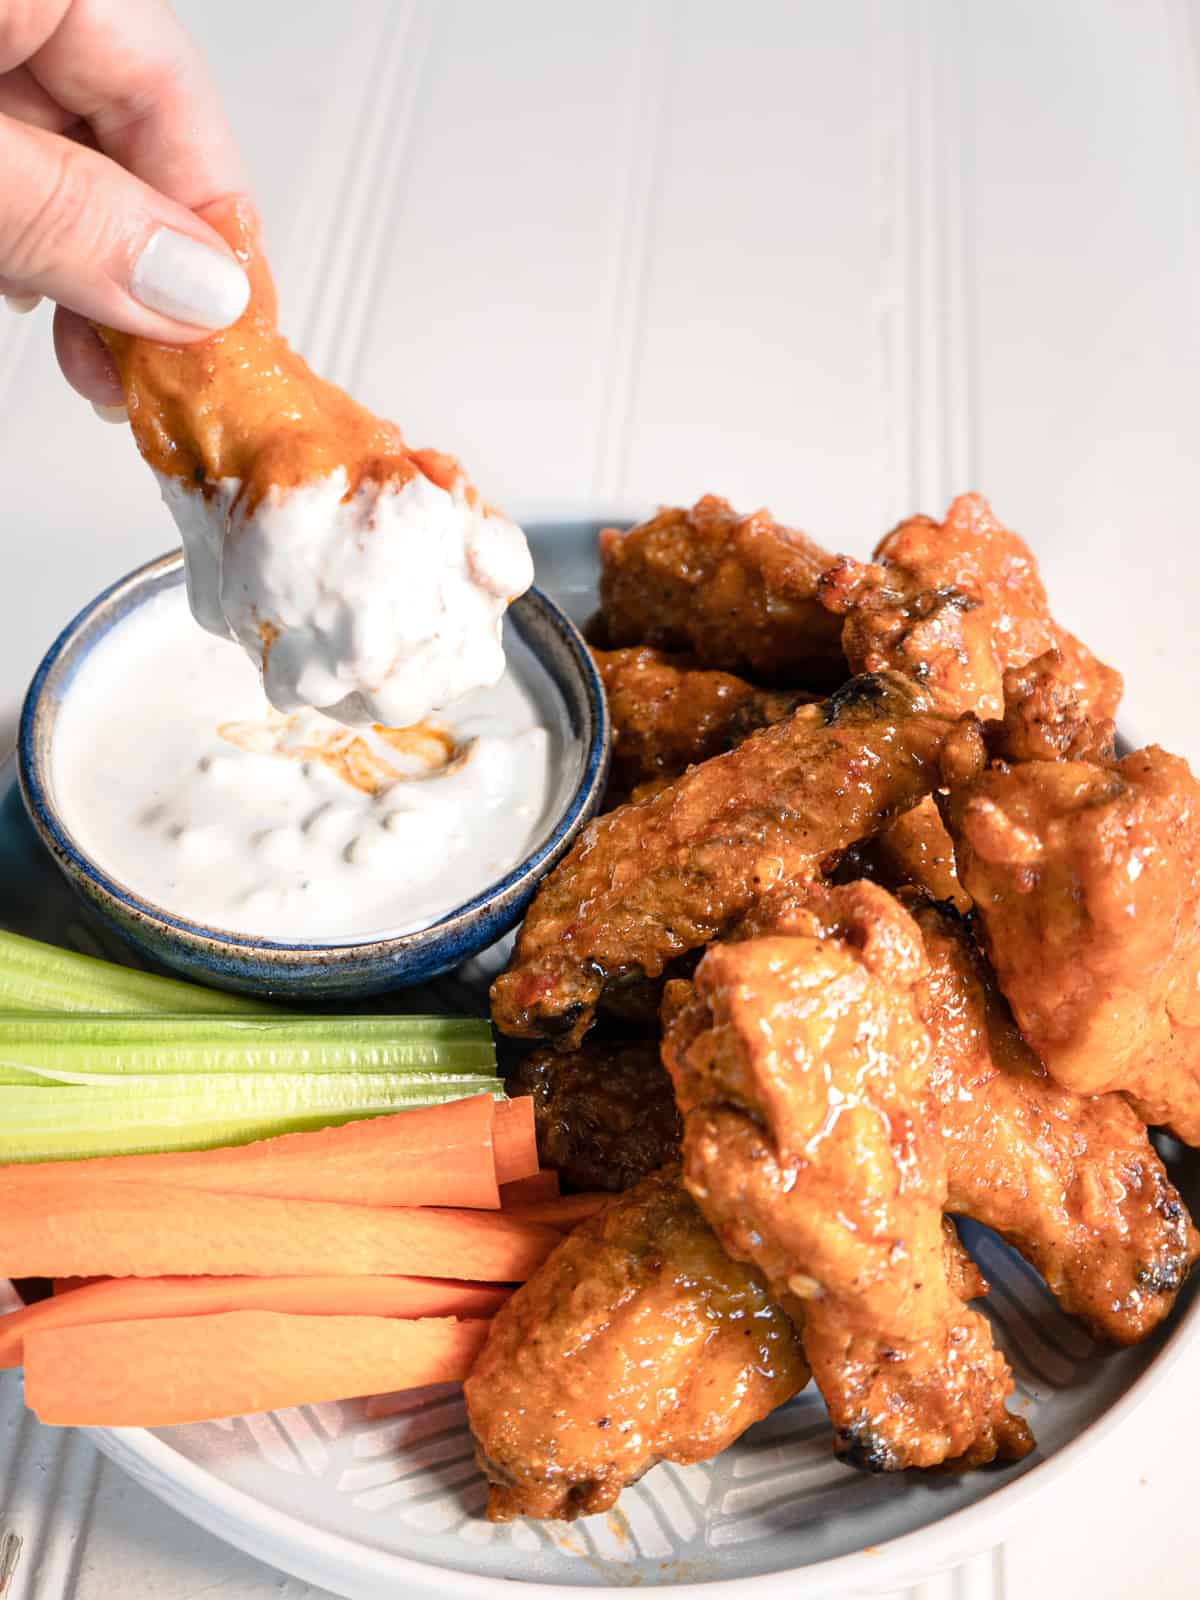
[242, 404]
[363, 579]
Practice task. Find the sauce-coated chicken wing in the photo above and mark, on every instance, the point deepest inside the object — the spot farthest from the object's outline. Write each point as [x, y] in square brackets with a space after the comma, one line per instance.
[915, 850]
[1087, 881]
[637, 1341]
[955, 604]
[362, 577]
[1071, 1181]
[605, 1113]
[801, 1065]
[1044, 719]
[666, 875]
[737, 593]
[667, 716]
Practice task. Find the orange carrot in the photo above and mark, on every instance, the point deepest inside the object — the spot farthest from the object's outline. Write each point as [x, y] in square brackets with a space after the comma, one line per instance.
[65, 1226]
[430, 1156]
[563, 1211]
[523, 1191]
[515, 1139]
[187, 1369]
[138, 1299]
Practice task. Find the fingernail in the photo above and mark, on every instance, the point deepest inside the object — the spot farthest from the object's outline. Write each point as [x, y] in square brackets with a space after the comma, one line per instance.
[186, 280]
[110, 413]
[22, 303]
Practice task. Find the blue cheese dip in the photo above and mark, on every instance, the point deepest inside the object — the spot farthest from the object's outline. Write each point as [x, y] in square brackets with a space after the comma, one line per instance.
[178, 778]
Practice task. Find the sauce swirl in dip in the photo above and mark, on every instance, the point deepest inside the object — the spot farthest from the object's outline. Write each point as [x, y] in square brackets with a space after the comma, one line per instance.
[178, 778]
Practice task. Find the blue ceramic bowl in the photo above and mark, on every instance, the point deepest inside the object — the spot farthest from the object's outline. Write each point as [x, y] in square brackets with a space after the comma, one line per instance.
[555, 664]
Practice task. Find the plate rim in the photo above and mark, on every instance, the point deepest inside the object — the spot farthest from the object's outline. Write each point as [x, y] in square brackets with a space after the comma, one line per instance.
[904, 1560]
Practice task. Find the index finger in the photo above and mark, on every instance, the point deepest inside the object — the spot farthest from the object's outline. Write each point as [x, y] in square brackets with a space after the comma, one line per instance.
[132, 72]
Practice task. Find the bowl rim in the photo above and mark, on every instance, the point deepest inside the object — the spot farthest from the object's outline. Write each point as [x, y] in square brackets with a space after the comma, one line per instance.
[36, 794]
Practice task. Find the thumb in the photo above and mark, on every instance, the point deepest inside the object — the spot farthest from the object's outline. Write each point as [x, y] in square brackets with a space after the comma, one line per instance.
[81, 230]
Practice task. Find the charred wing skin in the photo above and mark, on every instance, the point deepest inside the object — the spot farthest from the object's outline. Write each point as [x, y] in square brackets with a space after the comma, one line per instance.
[801, 1066]
[605, 1113]
[1086, 879]
[956, 604]
[736, 593]
[660, 877]
[1071, 1181]
[667, 715]
[637, 1341]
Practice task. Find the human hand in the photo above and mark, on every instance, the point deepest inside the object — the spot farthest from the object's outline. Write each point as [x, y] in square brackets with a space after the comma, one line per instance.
[111, 134]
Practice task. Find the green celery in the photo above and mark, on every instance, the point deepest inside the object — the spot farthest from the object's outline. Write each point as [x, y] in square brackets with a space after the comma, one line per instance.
[41, 977]
[98, 1059]
[66, 1144]
[206, 1099]
[58, 1123]
[186, 1045]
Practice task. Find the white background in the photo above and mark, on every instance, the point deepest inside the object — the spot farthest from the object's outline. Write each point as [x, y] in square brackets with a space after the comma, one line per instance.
[841, 258]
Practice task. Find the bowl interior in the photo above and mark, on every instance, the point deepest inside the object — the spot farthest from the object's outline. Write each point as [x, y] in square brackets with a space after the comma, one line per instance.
[544, 651]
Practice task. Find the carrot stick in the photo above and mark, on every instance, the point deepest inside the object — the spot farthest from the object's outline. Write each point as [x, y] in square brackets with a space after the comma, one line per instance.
[149, 1374]
[138, 1299]
[66, 1226]
[429, 1156]
[523, 1191]
[515, 1139]
[563, 1211]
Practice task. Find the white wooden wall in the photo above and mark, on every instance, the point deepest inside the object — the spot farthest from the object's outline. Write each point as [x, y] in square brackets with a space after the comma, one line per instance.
[843, 259]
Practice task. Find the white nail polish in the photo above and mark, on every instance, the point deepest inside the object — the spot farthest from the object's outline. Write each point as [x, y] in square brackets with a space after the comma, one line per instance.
[186, 280]
[22, 303]
[110, 413]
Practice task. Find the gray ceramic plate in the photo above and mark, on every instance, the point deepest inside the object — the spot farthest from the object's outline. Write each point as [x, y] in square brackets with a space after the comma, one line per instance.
[393, 1507]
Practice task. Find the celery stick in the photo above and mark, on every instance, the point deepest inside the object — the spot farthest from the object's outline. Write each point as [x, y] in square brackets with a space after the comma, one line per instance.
[63, 1123]
[175, 1045]
[231, 1095]
[164, 1086]
[25, 1077]
[41, 977]
[147, 1139]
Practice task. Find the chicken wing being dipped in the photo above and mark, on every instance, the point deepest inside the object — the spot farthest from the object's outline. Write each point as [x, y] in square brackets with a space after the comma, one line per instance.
[1086, 878]
[605, 1113]
[1071, 1181]
[955, 604]
[667, 716]
[736, 593]
[366, 579]
[801, 1066]
[637, 1341]
[655, 879]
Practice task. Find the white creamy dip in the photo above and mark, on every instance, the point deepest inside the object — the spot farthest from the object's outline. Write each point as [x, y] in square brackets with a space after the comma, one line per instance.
[380, 607]
[179, 780]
